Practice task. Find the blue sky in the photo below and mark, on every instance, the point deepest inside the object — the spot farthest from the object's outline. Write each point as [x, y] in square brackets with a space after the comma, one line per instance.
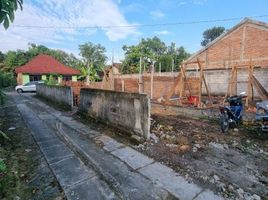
[64, 24]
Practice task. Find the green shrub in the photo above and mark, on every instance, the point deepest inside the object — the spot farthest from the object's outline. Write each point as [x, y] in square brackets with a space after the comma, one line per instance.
[7, 80]
[2, 166]
[51, 80]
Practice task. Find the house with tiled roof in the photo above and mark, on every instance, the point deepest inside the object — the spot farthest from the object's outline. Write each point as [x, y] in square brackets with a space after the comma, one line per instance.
[43, 66]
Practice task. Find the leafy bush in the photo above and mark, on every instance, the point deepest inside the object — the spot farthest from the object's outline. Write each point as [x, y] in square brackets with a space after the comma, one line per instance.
[7, 80]
[51, 80]
[2, 166]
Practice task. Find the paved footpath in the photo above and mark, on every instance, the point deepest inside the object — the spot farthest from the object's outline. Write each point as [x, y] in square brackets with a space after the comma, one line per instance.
[90, 165]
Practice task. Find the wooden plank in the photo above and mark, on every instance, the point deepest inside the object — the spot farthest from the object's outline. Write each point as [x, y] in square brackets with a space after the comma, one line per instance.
[249, 85]
[181, 78]
[203, 79]
[233, 90]
[200, 83]
[152, 80]
[260, 89]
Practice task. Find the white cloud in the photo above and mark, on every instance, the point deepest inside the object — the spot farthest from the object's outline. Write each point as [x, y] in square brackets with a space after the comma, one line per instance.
[132, 7]
[163, 32]
[190, 2]
[64, 13]
[157, 14]
[199, 2]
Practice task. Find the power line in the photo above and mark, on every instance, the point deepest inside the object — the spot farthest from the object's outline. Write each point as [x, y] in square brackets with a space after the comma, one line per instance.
[137, 25]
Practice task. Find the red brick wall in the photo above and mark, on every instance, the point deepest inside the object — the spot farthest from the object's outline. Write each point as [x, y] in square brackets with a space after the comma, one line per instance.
[161, 85]
[239, 47]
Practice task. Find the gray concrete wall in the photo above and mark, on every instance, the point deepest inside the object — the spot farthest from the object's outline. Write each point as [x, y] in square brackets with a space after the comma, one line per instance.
[56, 94]
[218, 80]
[127, 111]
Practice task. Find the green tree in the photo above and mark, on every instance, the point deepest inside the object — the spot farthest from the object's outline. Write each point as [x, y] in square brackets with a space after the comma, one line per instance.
[211, 34]
[149, 49]
[2, 59]
[7, 11]
[152, 49]
[93, 58]
[10, 61]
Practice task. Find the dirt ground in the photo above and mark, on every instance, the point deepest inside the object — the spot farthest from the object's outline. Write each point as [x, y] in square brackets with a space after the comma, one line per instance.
[25, 174]
[233, 164]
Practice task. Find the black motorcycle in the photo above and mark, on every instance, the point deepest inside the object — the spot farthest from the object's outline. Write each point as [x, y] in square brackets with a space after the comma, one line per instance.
[231, 115]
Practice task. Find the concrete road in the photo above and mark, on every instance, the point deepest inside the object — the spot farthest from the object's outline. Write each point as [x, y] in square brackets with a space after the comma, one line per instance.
[90, 165]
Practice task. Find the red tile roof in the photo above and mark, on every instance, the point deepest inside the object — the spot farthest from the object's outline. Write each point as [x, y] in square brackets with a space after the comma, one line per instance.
[45, 64]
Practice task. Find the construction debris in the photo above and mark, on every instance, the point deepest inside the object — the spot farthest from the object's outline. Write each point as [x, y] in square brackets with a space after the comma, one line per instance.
[198, 150]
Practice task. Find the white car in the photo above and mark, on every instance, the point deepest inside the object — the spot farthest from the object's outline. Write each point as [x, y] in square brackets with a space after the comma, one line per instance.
[28, 87]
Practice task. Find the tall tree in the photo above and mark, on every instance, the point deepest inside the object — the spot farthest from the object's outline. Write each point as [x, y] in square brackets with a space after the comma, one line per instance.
[7, 11]
[211, 34]
[93, 57]
[152, 49]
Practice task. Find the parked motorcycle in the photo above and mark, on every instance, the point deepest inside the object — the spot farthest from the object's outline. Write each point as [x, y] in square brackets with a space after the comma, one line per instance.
[231, 115]
[262, 114]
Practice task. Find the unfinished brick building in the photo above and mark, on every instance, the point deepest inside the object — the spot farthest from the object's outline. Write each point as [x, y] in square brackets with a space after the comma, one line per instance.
[226, 60]
[246, 41]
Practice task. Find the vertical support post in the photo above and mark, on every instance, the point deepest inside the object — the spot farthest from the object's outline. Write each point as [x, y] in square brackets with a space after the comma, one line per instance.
[160, 68]
[152, 79]
[182, 78]
[123, 85]
[204, 79]
[250, 86]
[234, 82]
[172, 66]
[140, 79]
[228, 92]
[200, 83]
